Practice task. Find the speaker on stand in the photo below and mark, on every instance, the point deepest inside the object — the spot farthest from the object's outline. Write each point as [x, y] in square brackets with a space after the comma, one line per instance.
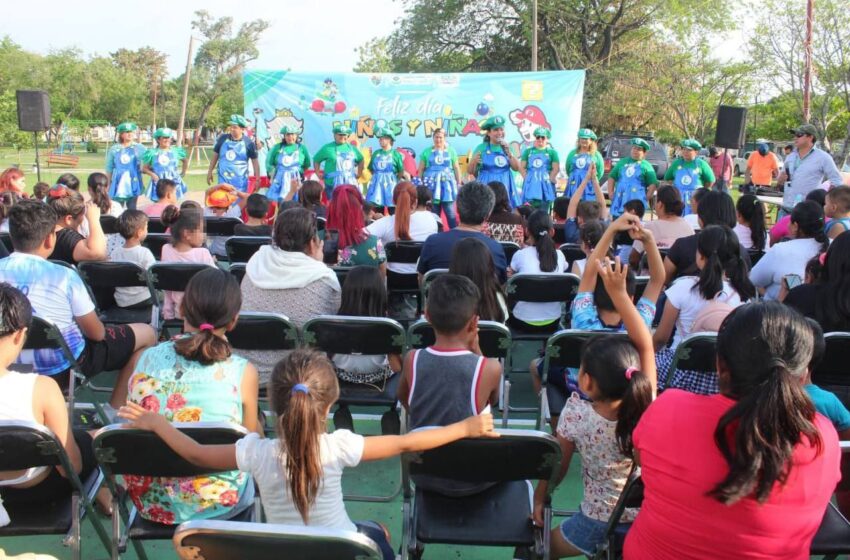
[731, 131]
[33, 116]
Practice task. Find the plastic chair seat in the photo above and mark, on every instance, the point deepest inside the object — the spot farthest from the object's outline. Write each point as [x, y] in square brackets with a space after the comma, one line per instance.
[122, 316]
[369, 395]
[833, 535]
[144, 530]
[498, 516]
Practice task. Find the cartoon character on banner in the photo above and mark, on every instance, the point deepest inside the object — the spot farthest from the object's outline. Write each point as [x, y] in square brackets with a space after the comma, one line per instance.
[527, 120]
[328, 99]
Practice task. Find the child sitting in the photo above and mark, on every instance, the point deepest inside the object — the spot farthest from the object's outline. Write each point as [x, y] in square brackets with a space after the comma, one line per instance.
[187, 245]
[590, 233]
[257, 207]
[579, 211]
[618, 377]
[751, 229]
[299, 473]
[449, 381]
[691, 218]
[133, 227]
[166, 192]
[71, 209]
[837, 209]
[471, 258]
[223, 201]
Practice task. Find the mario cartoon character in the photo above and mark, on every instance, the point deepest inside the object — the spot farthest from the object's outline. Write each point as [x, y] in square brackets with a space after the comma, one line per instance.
[527, 120]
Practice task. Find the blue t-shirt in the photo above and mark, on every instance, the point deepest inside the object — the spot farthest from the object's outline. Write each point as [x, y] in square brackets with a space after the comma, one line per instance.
[57, 294]
[438, 248]
[584, 315]
[828, 404]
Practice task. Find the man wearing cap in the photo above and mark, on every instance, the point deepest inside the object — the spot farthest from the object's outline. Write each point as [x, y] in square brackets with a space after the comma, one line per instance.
[342, 163]
[124, 166]
[287, 161]
[762, 168]
[539, 169]
[492, 160]
[808, 169]
[230, 157]
[687, 172]
[387, 167]
[579, 162]
[633, 176]
[163, 162]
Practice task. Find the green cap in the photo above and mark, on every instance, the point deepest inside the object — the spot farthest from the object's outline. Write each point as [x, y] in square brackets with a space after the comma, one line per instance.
[690, 143]
[164, 133]
[640, 143]
[806, 129]
[342, 129]
[238, 120]
[289, 129]
[126, 127]
[496, 121]
[542, 131]
[586, 133]
[384, 133]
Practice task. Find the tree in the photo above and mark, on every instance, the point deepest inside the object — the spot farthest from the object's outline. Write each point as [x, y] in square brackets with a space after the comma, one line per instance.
[221, 59]
[148, 63]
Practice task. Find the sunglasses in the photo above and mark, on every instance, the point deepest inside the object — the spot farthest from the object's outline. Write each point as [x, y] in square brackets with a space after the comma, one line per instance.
[540, 137]
[800, 134]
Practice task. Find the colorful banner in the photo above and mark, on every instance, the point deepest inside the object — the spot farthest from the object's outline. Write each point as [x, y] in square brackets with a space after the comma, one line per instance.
[412, 106]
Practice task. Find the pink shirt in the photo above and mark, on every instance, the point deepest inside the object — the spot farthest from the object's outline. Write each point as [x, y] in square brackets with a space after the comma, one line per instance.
[155, 210]
[720, 168]
[680, 464]
[172, 300]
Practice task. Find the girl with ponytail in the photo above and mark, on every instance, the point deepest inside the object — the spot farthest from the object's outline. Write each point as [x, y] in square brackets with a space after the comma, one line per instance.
[405, 225]
[747, 473]
[722, 279]
[618, 376]
[751, 229]
[186, 225]
[197, 378]
[299, 473]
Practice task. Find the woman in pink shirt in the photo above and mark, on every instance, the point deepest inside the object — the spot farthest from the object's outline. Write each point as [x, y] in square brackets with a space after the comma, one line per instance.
[745, 474]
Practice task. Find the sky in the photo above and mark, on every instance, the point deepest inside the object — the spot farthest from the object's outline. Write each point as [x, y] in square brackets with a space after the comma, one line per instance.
[305, 35]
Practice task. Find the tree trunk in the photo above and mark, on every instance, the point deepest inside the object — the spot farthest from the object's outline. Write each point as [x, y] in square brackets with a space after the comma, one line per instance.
[202, 118]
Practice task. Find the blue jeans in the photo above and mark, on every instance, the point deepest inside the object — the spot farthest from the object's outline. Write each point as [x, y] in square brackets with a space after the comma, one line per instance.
[375, 532]
[587, 534]
[449, 208]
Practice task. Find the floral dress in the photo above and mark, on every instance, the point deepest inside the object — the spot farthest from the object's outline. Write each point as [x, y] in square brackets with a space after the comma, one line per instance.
[369, 252]
[187, 391]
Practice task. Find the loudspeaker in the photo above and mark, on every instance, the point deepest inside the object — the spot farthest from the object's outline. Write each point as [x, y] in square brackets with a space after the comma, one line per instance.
[731, 127]
[33, 110]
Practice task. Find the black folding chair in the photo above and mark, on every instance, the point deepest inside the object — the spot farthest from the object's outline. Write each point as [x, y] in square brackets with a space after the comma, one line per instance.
[644, 260]
[155, 225]
[833, 373]
[240, 248]
[155, 242]
[403, 252]
[321, 223]
[121, 451]
[341, 273]
[109, 224]
[572, 252]
[103, 277]
[25, 445]
[755, 256]
[6, 240]
[238, 270]
[697, 352]
[497, 516]
[171, 277]
[220, 226]
[611, 547]
[510, 248]
[494, 339]
[427, 279]
[226, 540]
[833, 534]
[336, 334]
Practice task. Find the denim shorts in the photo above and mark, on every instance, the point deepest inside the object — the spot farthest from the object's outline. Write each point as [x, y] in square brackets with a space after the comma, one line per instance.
[587, 534]
[375, 532]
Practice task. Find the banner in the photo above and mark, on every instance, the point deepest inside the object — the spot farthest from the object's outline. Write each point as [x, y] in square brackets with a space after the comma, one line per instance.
[412, 106]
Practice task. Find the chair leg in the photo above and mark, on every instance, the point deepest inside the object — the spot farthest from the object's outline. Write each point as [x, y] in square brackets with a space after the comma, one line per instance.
[75, 527]
[117, 514]
[506, 404]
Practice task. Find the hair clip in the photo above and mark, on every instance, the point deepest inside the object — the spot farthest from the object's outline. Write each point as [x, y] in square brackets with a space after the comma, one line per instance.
[630, 372]
[543, 232]
[58, 191]
[206, 327]
[300, 388]
[822, 259]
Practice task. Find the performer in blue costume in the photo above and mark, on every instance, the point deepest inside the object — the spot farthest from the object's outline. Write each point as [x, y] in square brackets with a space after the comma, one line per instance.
[493, 160]
[338, 161]
[440, 172]
[231, 154]
[635, 178]
[165, 162]
[124, 166]
[540, 166]
[578, 162]
[387, 168]
[688, 172]
[287, 161]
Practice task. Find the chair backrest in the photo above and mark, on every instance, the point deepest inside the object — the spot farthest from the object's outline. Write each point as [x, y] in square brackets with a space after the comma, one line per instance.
[641, 282]
[493, 338]
[429, 277]
[697, 352]
[755, 256]
[835, 367]
[224, 540]
[563, 349]
[155, 225]
[43, 334]
[644, 260]
[337, 334]
[403, 251]
[155, 242]
[263, 331]
[541, 288]
[240, 248]
[224, 226]
[26, 444]
[173, 276]
[238, 270]
[121, 450]
[6, 240]
[104, 276]
[109, 224]
[509, 247]
[321, 223]
[341, 273]
[515, 455]
[572, 252]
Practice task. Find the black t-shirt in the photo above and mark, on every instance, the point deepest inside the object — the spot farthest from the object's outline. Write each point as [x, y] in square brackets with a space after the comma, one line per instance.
[66, 240]
[683, 254]
[264, 230]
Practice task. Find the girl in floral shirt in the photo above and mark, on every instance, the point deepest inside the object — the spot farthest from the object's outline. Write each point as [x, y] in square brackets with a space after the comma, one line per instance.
[195, 378]
[619, 378]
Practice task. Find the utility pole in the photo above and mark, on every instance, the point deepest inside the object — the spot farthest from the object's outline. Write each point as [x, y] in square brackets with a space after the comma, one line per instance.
[185, 92]
[534, 35]
[807, 72]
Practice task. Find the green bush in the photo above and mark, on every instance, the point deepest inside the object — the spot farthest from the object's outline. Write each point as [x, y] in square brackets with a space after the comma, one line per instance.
[91, 147]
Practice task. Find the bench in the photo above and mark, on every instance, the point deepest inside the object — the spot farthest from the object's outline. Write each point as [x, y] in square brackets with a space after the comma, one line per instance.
[54, 159]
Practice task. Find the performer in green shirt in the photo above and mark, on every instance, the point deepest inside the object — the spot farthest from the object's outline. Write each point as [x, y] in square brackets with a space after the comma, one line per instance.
[342, 163]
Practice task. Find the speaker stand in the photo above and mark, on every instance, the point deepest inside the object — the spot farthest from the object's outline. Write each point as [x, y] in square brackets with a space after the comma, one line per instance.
[37, 162]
